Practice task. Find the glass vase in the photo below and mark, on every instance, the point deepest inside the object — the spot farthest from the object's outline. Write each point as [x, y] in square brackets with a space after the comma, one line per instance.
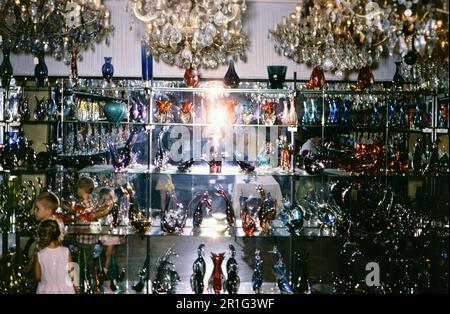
[6, 69]
[108, 69]
[41, 71]
[231, 79]
[398, 78]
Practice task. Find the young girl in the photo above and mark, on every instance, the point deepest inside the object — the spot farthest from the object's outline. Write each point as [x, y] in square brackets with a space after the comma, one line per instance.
[53, 262]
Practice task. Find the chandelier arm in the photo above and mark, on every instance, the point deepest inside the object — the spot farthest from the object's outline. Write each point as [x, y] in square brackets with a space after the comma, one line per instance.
[235, 12]
[143, 18]
[441, 11]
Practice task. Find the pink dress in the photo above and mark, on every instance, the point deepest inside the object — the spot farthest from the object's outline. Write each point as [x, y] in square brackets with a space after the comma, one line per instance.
[55, 277]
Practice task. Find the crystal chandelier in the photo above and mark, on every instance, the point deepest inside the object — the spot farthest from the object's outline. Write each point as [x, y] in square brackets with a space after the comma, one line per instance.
[335, 35]
[60, 27]
[340, 35]
[193, 33]
[421, 40]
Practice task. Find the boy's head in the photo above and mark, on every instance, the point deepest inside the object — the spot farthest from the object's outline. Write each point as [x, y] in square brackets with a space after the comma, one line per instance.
[106, 196]
[46, 205]
[85, 187]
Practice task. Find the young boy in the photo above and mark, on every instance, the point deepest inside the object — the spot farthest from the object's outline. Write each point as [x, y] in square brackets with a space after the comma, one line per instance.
[46, 205]
[85, 189]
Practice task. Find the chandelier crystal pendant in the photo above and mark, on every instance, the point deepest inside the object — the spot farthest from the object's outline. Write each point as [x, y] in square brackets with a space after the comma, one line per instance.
[59, 27]
[193, 33]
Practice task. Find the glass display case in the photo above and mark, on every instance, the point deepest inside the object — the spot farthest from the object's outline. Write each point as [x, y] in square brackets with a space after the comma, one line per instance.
[300, 188]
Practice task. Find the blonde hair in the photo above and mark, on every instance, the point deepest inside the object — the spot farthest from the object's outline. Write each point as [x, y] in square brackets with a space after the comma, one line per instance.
[48, 200]
[86, 184]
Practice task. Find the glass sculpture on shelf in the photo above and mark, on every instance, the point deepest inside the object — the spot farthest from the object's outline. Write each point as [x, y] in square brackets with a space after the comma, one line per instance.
[248, 220]
[217, 279]
[229, 212]
[204, 202]
[233, 281]
[257, 277]
[167, 278]
[173, 218]
[199, 270]
[280, 271]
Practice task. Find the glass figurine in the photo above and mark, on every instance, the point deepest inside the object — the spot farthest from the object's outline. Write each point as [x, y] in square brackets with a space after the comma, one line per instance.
[268, 113]
[302, 286]
[266, 156]
[392, 112]
[205, 201]
[233, 281]
[163, 112]
[257, 277]
[418, 117]
[332, 115]
[174, 216]
[186, 112]
[313, 113]
[442, 116]
[375, 117]
[285, 154]
[403, 116]
[167, 277]
[345, 119]
[247, 112]
[228, 208]
[266, 211]
[40, 111]
[199, 270]
[217, 279]
[248, 220]
[306, 114]
[281, 272]
[162, 156]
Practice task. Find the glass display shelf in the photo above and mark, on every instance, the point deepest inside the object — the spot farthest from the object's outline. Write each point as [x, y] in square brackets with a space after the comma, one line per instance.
[214, 228]
[290, 126]
[93, 96]
[218, 89]
[230, 170]
[18, 123]
[202, 90]
[210, 228]
[106, 122]
[380, 92]
[203, 170]
[221, 90]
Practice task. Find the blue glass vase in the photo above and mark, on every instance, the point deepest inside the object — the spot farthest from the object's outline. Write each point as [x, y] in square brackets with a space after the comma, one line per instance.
[107, 69]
